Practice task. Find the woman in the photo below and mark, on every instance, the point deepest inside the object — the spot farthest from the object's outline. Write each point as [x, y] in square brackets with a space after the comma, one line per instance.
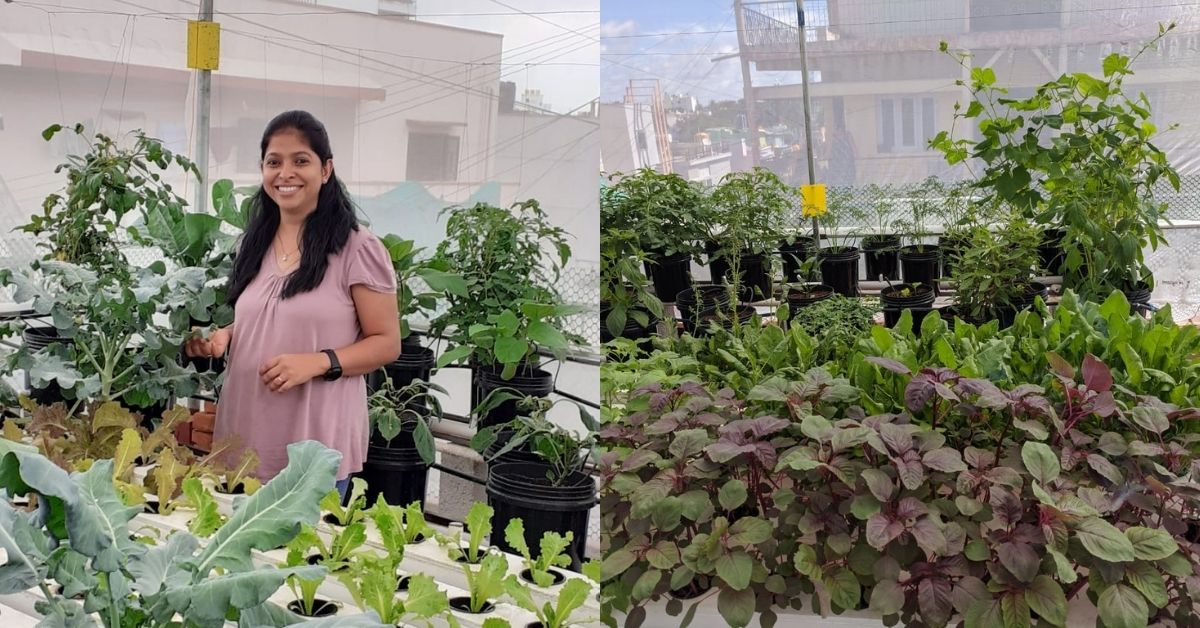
[314, 299]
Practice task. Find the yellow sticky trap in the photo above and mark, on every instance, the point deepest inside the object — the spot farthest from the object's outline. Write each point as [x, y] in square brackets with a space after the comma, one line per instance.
[814, 200]
[203, 45]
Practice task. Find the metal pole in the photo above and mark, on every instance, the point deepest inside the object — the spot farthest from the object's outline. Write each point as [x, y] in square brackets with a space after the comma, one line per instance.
[747, 84]
[808, 138]
[201, 131]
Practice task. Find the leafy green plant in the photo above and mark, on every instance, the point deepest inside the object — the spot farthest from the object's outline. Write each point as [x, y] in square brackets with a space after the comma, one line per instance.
[750, 207]
[1104, 200]
[563, 451]
[81, 540]
[924, 204]
[623, 287]
[479, 526]
[208, 519]
[409, 268]
[996, 268]
[552, 545]
[667, 212]
[557, 614]
[372, 581]
[391, 411]
[238, 478]
[355, 509]
[485, 581]
[398, 527]
[500, 255]
[840, 224]
[305, 587]
[835, 324]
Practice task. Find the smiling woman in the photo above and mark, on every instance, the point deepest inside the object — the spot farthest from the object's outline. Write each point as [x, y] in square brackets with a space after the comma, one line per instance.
[314, 307]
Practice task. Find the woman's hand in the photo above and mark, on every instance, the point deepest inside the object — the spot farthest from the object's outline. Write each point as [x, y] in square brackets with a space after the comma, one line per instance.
[212, 347]
[285, 372]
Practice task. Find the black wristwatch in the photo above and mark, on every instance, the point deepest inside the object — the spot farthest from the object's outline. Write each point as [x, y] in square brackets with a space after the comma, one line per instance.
[335, 367]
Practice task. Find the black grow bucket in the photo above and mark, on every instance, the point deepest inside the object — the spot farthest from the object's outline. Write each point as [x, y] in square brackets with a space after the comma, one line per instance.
[1051, 253]
[528, 382]
[755, 280]
[722, 317]
[398, 474]
[882, 255]
[839, 269]
[669, 273]
[520, 489]
[718, 265]
[801, 297]
[415, 362]
[697, 300]
[922, 266]
[632, 329]
[36, 339]
[894, 305]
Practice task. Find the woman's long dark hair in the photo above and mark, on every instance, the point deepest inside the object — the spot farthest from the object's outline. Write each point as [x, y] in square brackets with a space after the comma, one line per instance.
[325, 232]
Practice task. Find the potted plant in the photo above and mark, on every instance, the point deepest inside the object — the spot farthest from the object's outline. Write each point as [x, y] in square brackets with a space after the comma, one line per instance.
[994, 275]
[1104, 201]
[415, 361]
[670, 217]
[919, 260]
[536, 472]
[915, 297]
[839, 260]
[627, 308]
[835, 324]
[512, 306]
[881, 248]
[401, 449]
[749, 209]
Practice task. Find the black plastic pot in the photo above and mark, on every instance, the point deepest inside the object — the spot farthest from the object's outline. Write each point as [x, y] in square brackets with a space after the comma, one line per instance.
[882, 255]
[921, 266]
[755, 280]
[36, 339]
[462, 604]
[414, 363]
[531, 382]
[798, 298]
[894, 305]
[952, 248]
[722, 317]
[1051, 253]
[397, 473]
[632, 330]
[794, 253]
[718, 266]
[699, 299]
[520, 489]
[669, 273]
[839, 270]
[1139, 299]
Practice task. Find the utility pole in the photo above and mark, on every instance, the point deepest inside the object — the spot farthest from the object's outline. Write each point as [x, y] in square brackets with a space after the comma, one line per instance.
[808, 138]
[201, 58]
[747, 84]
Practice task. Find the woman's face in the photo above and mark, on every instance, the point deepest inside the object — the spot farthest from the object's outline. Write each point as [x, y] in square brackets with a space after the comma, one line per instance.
[292, 173]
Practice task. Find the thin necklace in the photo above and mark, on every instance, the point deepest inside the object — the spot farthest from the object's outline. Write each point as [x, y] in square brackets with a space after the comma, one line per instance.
[285, 255]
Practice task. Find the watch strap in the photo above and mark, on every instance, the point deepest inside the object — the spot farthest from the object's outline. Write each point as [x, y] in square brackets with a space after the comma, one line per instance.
[335, 367]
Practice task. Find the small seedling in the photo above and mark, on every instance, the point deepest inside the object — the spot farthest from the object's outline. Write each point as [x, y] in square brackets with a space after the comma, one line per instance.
[353, 512]
[553, 545]
[572, 596]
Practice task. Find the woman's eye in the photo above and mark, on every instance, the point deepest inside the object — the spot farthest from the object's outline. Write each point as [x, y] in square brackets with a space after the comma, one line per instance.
[272, 164]
[301, 162]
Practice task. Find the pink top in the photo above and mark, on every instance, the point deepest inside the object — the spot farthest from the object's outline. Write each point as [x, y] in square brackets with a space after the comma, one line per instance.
[334, 413]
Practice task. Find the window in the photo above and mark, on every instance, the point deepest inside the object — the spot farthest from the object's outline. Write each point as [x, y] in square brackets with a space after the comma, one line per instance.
[905, 124]
[432, 156]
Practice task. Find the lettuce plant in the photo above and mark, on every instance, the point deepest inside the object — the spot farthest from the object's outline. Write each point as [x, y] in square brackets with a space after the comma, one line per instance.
[485, 581]
[557, 614]
[479, 526]
[354, 511]
[398, 527]
[372, 580]
[553, 547]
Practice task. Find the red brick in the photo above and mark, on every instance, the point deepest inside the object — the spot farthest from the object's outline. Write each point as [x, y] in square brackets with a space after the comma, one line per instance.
[203, 422]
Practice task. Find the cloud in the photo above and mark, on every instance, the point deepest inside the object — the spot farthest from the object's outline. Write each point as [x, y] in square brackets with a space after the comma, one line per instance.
[617, 29]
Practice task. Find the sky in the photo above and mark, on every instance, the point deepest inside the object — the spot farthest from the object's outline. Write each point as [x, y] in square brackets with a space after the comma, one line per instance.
[673, 41]
[549, 45]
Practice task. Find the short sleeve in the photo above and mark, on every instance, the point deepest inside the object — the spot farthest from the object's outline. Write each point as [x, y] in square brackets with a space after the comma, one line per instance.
[369, 263]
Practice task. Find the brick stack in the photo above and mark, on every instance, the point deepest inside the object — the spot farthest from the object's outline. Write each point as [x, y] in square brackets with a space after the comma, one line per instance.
[198, 431]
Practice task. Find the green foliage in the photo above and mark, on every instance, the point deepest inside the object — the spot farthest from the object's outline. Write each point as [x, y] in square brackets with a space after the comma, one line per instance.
[398, 527]
[354, 511]
[574, 595]
[207, 520]
[132, 584]
[372, 581]
[392, 410]
[835, 324]
[749, 210]
[623, 287]
[995, 269]
[1078, 153]
[564, 452]
[553, 547]
[511, 304]
[409, 268]
[667, 213]
[485, 581]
